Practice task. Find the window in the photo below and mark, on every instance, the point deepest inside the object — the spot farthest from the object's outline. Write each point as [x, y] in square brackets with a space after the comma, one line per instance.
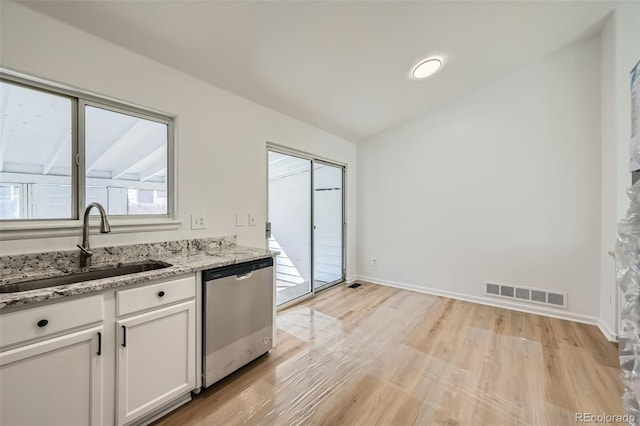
[35, 153]
[129, 154]
[60, 151]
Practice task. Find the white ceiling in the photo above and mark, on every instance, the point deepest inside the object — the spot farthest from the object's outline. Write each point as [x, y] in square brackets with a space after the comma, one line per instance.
[341, 66]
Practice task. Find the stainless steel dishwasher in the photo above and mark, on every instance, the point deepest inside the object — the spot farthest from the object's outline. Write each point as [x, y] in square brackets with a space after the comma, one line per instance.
[237, 317]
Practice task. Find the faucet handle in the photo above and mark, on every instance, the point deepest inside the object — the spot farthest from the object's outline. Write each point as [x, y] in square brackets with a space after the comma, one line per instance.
[84, 250]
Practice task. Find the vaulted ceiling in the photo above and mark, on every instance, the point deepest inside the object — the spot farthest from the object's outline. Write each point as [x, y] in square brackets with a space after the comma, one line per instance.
[341, 66]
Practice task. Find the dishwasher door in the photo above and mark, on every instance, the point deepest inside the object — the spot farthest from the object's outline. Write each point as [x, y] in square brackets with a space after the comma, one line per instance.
[237, 317]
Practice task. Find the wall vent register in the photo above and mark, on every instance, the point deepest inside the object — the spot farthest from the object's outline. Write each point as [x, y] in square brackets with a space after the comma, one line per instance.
[526, 294]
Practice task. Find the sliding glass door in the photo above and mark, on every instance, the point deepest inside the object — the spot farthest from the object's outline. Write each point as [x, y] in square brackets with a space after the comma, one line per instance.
[306, 212]
[290, 217]
[328, 223]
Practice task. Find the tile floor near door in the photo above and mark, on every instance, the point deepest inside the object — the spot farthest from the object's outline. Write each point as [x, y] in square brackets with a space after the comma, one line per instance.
[379, 355]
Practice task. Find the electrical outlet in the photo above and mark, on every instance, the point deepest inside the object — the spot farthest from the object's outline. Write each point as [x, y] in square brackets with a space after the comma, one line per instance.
[197, 222]
[240, 219]
[252, 220]
[374, 262]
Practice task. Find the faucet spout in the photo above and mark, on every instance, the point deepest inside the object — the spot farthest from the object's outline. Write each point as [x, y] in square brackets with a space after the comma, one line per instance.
[85, 248]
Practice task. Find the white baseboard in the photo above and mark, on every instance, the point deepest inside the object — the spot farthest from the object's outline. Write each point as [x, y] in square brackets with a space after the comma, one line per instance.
[351, 279]
[608, 333]
[499, 303]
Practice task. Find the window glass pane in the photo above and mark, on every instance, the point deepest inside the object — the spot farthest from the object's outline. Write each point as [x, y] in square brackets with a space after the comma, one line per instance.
[145, 201]
[10, 196]
[118, 201]
[35, 149]
[96, 194]
[126, 156]
[49, 200]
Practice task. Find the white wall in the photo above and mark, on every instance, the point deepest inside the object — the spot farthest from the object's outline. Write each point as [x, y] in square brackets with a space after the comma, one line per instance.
[221, 137]
[609, 185]
[620, 46]
[502, 184]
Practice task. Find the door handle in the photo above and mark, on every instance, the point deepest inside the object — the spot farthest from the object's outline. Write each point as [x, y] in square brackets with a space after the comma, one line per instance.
[124, 336]
[99, 343]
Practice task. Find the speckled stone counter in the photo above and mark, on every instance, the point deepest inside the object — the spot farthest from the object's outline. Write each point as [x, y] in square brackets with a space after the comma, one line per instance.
[185, 256]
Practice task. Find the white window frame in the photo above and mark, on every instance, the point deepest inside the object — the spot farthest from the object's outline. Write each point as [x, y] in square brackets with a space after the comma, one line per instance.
[41, 228]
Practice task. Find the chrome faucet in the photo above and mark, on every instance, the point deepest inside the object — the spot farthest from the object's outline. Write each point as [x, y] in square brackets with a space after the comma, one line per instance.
[85, 248]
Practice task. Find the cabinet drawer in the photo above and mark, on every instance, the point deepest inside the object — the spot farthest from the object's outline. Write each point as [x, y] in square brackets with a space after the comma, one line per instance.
[43, 321]
[155, 295]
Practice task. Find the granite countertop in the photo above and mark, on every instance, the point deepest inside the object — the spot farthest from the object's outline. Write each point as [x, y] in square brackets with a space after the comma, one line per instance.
[185, 256]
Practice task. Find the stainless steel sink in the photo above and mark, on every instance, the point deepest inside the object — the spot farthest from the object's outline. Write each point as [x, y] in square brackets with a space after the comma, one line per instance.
[115, 271]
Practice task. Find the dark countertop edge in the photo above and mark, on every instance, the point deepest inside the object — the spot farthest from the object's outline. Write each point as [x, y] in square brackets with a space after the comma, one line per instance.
[182, 266]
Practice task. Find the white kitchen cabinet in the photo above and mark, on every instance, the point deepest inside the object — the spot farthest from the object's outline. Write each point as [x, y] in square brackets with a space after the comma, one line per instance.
[25, 326]
[156, 360]
[64, 363]
[57, 381]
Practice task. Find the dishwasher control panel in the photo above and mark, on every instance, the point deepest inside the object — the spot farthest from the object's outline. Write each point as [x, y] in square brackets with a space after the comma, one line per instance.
[237, 269]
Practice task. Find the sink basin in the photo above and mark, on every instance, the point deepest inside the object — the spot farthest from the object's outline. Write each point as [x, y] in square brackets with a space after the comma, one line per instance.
[72, 278]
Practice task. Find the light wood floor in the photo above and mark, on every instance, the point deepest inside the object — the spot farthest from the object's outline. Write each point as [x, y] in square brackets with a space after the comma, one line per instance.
[379, 355]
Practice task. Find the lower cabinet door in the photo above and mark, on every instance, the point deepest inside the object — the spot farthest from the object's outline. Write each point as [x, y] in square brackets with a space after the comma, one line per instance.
[156, 359]
[54, 382]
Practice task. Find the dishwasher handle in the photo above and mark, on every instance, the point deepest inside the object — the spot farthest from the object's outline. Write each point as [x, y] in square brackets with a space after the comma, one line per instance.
[244, 276]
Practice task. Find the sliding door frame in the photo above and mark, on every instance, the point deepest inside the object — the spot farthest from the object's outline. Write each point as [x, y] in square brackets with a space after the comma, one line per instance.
[343, 221]
[272, 147]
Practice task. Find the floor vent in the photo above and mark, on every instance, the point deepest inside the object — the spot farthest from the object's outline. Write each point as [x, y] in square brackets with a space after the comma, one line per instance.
[525, 294]
[355, 285]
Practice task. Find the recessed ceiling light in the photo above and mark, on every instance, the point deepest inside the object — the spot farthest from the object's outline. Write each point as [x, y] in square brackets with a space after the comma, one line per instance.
[426, 68]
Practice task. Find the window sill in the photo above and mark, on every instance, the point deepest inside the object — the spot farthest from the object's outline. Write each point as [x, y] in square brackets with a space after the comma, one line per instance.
[68, 228]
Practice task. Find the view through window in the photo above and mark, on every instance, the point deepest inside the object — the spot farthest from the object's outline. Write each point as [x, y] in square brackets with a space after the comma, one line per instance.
[125, 161]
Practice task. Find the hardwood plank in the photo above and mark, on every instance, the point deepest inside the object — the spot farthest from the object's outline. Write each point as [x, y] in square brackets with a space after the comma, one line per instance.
[380, 355]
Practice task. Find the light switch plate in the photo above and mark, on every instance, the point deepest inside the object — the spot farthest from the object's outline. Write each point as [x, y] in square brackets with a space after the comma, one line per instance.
[197, 222]
[240, 219]
[252, 220]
